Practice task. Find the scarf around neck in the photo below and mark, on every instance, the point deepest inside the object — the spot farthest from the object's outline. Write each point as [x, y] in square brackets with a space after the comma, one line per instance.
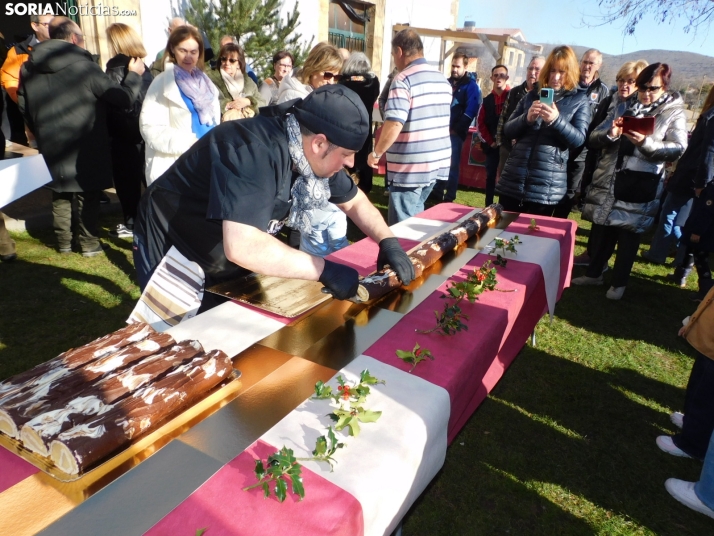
[235, 84]
[199, 88]
[309, 191]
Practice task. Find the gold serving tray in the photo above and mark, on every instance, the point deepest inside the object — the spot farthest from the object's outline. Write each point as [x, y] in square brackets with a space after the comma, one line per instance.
[132, 454]
[278, 295]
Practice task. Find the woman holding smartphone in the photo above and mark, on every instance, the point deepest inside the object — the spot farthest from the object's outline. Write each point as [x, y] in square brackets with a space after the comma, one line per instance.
[624, 195]
[534, 178]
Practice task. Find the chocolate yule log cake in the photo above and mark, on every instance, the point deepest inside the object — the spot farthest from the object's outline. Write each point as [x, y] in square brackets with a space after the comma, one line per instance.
[66, 362]
[378, 284]
[16, 410]
[97, 399]
[79, 447]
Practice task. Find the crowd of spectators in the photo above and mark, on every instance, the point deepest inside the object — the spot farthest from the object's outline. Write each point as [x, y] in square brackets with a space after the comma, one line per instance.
[561, 140]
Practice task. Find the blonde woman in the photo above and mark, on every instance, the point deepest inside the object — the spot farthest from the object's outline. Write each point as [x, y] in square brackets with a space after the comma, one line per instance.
[626, 87]
[181, 104]
[329, 225]
[127, 145]
[321, 67]
[534, 178]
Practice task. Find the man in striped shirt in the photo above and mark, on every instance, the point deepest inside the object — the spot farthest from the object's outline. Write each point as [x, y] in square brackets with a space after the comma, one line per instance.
[415, 135]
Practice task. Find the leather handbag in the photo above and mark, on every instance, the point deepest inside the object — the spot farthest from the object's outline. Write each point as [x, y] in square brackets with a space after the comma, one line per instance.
[699, 332]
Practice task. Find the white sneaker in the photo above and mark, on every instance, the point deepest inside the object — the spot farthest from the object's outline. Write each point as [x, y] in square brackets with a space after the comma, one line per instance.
[584, 280]
[683, 491]
[615, 293]
[665, 443]
[677, 419]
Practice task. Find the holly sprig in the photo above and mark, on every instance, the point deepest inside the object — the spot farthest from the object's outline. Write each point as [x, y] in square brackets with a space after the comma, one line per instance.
[354, 393]
[280, 469]
[416, 356]
[325, 448]
[477, 282]
[505, 245]
[448, 322]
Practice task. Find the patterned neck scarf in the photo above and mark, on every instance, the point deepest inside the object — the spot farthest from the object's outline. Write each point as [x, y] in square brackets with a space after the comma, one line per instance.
[638, 109]
[309, 191]
[199, 88]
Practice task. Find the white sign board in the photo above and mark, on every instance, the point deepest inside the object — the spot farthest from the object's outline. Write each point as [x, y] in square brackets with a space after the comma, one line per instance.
[20, 176]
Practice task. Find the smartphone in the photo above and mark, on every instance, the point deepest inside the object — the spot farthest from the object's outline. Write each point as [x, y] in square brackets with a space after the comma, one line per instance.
[643, 125]
[546, 96]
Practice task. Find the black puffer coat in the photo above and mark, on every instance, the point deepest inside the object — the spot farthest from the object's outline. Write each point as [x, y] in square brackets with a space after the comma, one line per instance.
[63, 98]
[536, 170]
[695, 169]
[124, 123]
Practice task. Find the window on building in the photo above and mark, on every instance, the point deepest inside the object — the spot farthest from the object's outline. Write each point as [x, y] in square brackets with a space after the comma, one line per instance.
[347, 24]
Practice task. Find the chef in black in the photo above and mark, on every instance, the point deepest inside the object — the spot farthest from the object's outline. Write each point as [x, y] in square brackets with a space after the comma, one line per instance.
[220, 203]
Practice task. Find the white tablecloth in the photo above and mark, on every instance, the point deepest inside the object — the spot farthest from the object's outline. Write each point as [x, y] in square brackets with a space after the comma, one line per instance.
[392, 461]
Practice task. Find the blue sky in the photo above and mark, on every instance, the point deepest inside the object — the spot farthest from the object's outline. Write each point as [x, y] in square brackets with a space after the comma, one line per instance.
[560, 22]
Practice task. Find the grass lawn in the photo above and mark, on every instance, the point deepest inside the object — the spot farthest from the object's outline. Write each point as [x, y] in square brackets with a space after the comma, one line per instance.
[565, 444]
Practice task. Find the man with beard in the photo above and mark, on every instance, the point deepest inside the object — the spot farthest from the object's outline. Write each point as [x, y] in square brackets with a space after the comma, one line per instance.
[465, 104]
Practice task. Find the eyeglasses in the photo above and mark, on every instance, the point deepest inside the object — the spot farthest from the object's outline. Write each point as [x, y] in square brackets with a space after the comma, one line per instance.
[327, 75]
[651, 89]
[499, 75]
[284, 65]
[45, 24]
[232, 60]
[629, 81]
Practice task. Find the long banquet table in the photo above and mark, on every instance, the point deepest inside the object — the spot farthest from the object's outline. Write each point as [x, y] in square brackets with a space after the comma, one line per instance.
[193, 477]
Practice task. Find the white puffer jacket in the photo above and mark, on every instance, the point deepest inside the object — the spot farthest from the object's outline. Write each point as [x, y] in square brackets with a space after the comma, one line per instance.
[165, 124]
[292, 88]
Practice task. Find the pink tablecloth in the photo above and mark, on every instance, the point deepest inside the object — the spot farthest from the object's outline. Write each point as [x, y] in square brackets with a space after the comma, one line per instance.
[13, 469]
[446, 212]
[464, 362]
[221, 505]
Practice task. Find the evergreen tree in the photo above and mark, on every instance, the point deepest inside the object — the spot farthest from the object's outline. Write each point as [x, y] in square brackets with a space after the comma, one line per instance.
[257, 25]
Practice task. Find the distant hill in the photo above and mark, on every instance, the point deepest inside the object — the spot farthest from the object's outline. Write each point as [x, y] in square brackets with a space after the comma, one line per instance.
[687, 67]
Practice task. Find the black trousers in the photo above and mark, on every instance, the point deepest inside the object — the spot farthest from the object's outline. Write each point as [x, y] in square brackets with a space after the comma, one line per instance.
[128, 166]
[700, 260]
[492, 158]
[698, 409]
[86, 218]
[17, 123]
[627, 244]
[512, 204]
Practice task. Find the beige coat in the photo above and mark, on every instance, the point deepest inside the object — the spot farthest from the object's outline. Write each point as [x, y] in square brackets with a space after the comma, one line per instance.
[165, 124]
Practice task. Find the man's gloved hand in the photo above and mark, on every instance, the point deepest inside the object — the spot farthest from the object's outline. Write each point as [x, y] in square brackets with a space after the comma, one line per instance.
[391, 253]
[342, 281]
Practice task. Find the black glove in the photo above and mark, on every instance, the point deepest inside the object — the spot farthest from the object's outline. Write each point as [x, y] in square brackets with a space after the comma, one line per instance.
[391, 253]
[342, 281]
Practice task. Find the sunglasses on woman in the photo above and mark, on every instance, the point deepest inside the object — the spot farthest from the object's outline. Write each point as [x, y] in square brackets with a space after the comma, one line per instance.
[327, 75]
[651, 89]
[232, 60]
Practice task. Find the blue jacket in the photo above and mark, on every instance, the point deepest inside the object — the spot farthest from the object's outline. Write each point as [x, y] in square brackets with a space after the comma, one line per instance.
[465, 103]
[536, 169]
[701, 220]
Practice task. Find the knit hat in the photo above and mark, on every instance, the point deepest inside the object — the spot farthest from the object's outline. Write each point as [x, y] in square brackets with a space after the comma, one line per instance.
[337, 112]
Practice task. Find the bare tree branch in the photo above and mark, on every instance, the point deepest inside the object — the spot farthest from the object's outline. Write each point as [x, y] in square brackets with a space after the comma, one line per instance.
[697, 14]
